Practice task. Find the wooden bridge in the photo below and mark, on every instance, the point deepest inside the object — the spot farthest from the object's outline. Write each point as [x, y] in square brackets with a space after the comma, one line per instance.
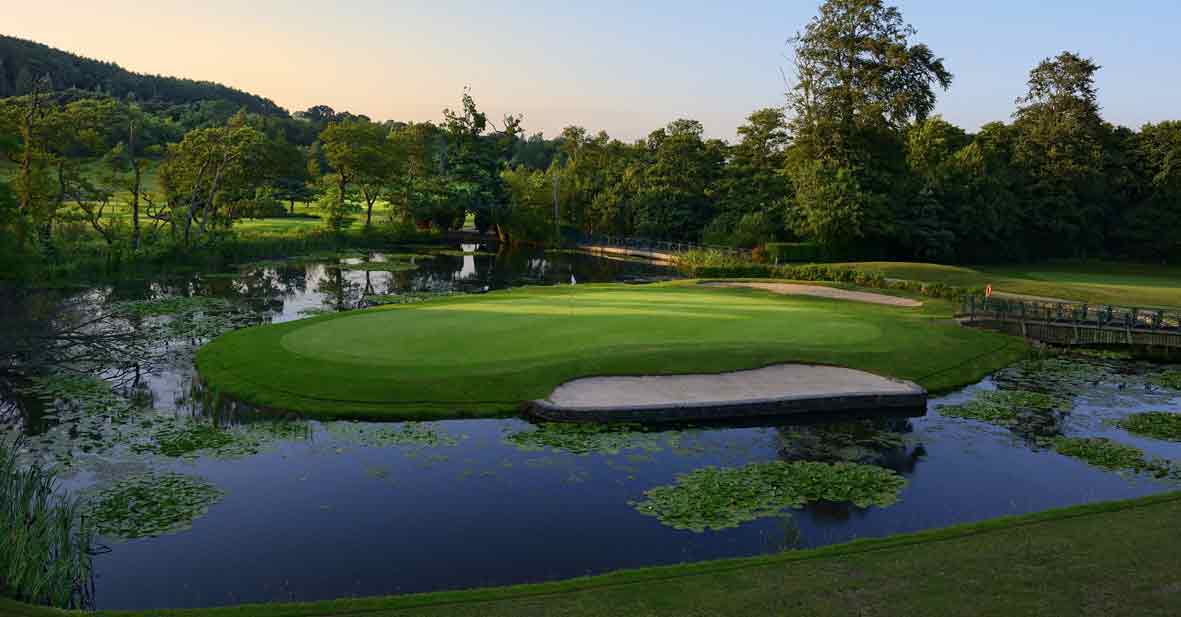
[1069, 323]
[659, 250]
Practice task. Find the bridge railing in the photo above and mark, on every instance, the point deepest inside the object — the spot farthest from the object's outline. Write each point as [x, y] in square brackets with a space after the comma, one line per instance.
[659, 246]
[1104, 316]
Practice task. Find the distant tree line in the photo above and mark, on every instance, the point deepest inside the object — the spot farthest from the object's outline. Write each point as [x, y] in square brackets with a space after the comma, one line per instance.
[22, 63]
[854, 163]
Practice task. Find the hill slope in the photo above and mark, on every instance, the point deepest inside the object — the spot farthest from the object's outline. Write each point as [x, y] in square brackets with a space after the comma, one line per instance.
[23, 61]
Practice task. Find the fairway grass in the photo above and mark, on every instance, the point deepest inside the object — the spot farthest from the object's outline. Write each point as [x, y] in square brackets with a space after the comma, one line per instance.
[1104, 559]
[486, 354]
[1124, 284]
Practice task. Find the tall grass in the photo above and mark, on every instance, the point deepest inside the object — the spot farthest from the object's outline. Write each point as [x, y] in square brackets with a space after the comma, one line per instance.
[45, 545]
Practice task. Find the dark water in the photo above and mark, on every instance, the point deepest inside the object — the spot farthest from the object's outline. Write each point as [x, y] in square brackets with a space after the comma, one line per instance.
[354, 509]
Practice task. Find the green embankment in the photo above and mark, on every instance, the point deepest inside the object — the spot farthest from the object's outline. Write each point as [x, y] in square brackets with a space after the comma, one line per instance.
[1124, 284]
[1115, 558]
[482, 355]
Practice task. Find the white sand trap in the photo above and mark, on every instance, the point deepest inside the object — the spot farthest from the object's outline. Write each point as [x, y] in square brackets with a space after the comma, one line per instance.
[818, 291]
[779, 382]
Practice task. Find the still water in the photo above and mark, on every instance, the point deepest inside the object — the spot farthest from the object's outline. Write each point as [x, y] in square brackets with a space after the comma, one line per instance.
[336, 509]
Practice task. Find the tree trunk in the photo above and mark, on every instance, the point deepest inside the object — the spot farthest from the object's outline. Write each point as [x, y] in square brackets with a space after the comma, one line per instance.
[135, 187]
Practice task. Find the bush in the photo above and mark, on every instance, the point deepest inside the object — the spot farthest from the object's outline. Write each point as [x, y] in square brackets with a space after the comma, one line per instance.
[714, 264]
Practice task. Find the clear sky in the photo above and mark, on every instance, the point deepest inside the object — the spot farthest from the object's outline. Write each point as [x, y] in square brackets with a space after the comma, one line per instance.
[623, 66]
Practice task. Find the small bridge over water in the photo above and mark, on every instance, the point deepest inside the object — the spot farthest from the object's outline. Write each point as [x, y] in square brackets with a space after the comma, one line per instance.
[1070, 323]
[659, 250]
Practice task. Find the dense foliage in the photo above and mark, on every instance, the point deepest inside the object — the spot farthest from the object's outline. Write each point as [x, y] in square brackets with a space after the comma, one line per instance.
[22, 62]
[853, 167]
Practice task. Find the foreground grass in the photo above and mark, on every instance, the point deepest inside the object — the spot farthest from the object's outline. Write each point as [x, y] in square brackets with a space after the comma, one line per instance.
[1096, 282]
[482, 355]
[1113, 558]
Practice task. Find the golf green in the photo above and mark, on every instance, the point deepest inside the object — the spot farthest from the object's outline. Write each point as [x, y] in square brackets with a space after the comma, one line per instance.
[486, 354]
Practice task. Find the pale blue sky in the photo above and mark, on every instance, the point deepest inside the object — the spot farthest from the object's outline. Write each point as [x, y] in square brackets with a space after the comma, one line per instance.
[627, 67]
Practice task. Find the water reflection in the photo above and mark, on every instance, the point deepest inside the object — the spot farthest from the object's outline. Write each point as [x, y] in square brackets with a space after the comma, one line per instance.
[317, 510]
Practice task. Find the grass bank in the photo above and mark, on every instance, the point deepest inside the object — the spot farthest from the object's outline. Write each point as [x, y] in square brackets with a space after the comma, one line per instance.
[1097, 282]
[1104, 559]
[484, 355]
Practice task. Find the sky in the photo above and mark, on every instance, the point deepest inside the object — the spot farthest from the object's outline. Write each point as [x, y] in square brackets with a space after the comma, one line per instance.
[627, 67]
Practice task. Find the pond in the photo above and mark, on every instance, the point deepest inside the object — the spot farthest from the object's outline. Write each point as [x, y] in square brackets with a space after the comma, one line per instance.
[268, 508]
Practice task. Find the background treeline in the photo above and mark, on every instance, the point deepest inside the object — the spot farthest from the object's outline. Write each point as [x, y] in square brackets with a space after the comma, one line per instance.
[853, 166]
[23, 62]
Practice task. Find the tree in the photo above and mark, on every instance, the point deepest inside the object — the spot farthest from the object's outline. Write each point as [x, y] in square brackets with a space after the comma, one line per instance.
[754, 185]
[1061, 146]
[675, 187]
[361, 154]
[126, 163]
[206, 171]
[476, 154]
[1151, 227]
[860, 83]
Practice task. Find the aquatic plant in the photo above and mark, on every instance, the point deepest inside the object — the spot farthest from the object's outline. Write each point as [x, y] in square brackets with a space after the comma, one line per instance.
[184, 439]
[1113, 456]
[588, 438]
[722, 498]
[1056, 374]
[193, 437]
[45, 545]
[150, 504]
[1031, 413]
[1155, 424]
[185, 317]
[85, 415]
[384, 435]
[1168, 379]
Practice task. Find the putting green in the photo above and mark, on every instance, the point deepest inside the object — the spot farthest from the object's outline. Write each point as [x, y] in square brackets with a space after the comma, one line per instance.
[480, 355]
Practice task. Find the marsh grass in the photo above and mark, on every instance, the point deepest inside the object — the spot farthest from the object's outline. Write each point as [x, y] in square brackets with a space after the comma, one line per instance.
[45, 544]
[722, 498]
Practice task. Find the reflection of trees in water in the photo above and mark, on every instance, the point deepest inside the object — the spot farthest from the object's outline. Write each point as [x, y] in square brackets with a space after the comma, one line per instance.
[881, 441]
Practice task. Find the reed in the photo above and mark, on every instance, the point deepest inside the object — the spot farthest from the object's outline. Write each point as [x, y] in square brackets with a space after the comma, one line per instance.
[46, 547]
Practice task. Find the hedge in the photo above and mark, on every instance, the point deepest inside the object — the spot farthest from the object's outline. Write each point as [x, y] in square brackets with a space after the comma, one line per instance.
[834, 274]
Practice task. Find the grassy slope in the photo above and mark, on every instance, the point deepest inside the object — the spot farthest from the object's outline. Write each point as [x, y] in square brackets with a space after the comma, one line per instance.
[1113, 558]
[1096, 282]
[485, 354]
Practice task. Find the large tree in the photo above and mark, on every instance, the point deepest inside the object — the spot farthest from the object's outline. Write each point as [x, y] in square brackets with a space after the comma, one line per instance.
[860, 81]
[476, 155]
[361, 155]
[204, 173]
[1061, 146]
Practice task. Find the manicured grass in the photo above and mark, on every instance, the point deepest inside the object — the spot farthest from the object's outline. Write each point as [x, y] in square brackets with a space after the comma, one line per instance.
[1094, 281]
[1103, 559]
[481, 355]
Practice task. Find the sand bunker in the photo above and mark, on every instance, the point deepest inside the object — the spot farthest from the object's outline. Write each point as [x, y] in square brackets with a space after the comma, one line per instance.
[774, 383]
[794, 289]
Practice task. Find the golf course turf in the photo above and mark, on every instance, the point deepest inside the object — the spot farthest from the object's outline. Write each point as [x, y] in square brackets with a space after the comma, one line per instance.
[486, 354]
[1097, 282]
[1104, 559]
